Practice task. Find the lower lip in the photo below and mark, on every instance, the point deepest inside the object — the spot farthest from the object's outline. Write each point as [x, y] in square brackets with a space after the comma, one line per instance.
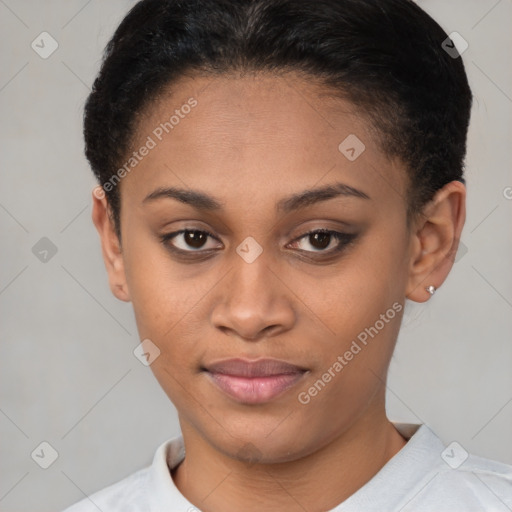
[255, 390]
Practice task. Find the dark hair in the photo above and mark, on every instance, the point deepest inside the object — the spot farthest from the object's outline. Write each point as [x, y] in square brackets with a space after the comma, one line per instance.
[385, 56]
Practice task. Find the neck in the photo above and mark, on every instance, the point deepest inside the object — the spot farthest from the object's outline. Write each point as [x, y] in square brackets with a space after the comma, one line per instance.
[215, 482]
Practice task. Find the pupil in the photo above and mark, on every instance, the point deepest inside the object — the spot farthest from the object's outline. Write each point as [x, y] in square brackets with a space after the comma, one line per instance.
[195, 238]
[322, 238]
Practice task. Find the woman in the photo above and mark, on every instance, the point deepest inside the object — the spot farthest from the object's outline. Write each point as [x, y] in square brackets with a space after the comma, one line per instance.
[276, 178]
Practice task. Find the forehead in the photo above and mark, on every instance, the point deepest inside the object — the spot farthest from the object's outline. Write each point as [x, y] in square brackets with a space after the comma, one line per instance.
[238, 136]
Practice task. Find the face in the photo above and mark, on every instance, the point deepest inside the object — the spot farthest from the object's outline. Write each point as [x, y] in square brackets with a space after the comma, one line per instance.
[294, 257]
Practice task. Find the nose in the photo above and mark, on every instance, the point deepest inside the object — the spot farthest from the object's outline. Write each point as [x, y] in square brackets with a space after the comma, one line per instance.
[253, 303]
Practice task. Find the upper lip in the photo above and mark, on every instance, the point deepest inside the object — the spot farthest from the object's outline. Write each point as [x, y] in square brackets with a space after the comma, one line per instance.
[253, 368]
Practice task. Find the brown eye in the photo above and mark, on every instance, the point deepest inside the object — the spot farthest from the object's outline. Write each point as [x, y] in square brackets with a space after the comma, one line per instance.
[188, 240]
[195, 239]
[321, 240]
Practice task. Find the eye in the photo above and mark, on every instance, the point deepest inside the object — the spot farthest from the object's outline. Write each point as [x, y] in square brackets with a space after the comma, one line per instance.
[324, 241]
[188, 240]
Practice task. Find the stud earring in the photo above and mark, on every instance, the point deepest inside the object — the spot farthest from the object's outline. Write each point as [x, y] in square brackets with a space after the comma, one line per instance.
[431, 289]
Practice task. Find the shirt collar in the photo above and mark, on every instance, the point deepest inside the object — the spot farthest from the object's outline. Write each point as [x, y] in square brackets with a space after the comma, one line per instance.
[162, 492]
[421, 452]
[386, 490]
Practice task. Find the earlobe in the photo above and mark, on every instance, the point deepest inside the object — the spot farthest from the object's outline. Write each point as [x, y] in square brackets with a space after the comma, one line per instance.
[110, 246]
[434, 241]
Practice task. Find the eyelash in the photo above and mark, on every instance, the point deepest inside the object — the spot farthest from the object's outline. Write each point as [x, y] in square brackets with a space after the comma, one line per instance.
[344, 239]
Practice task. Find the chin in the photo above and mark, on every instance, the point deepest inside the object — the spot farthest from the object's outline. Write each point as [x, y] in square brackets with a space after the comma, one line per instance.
[264, 441]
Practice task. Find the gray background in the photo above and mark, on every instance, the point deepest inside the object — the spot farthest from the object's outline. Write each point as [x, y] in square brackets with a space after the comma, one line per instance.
[68, 375]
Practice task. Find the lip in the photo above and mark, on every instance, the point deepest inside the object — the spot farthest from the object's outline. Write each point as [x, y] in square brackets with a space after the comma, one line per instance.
[254, 381]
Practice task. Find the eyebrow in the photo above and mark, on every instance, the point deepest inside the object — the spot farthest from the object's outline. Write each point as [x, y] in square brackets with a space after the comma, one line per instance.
[202, 201]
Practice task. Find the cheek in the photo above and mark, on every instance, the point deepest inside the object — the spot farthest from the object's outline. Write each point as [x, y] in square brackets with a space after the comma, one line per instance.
[367, 283]
[169, 301]
[156, 288]
[363, 309]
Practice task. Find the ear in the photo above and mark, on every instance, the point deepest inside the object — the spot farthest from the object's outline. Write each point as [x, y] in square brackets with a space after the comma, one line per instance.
[110, 245]
[435, 238]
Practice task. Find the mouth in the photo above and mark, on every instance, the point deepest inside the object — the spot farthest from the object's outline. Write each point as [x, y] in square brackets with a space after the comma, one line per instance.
[253, 382]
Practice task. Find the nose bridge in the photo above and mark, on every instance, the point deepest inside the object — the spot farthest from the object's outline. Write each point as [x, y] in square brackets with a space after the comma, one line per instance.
[253, 299]
[251, 283]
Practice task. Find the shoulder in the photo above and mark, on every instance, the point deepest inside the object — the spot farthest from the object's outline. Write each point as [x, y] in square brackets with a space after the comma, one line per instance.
[428, 475]
[147, 487]
[127, 495]
[477, 484]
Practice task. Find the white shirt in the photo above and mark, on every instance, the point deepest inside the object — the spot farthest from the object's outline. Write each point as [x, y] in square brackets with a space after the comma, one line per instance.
[424, 476]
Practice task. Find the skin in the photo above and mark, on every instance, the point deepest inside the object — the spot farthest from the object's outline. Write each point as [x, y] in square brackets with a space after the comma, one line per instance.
[250, 142]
